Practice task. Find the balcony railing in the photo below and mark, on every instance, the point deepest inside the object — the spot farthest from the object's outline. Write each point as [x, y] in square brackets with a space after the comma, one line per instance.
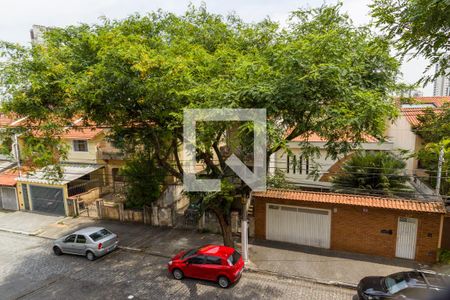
[109, 154]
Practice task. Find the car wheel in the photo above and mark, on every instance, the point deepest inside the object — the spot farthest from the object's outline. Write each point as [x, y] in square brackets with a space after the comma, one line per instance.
[177, 274]
[90, 256]
[223, 282]
[57, 251]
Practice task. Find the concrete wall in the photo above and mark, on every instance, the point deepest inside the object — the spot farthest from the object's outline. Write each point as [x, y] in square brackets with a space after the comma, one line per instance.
[354, 230]
[84, 157]
[117, 212]
[400, 134]
[89, 196]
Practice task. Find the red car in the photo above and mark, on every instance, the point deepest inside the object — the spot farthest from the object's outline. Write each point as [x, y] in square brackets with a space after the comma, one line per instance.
[215, 263]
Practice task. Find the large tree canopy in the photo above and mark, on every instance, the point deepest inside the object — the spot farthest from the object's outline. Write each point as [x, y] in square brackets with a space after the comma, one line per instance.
[320, 74]
[418, 27]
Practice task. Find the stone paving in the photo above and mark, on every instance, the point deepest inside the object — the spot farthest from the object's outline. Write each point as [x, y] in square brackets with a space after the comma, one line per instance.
[290, 260]
[29, 270]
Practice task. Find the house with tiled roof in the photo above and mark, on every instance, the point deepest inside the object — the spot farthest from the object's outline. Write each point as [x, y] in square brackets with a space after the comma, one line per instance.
[8, 180]
[302, 170]
[400, 132]
[380, 226]
[92, 163]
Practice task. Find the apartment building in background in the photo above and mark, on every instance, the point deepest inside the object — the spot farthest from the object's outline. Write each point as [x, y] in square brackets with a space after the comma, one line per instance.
[441, 85]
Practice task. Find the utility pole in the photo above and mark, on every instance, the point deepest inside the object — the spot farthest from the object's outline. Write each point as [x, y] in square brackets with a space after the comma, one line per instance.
[244, 228]
[439, 171]
[17, 153]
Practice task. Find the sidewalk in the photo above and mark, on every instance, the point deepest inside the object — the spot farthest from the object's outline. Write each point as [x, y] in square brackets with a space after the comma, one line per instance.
[25, 222]
[323, 265]
[160, 241]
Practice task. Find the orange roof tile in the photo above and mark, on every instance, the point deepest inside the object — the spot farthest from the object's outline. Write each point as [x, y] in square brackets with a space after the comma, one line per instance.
[315, 138]
[438, 101]
[5, 120]
[411, 115]
[81, 133]
[356, 200]
[8, 177]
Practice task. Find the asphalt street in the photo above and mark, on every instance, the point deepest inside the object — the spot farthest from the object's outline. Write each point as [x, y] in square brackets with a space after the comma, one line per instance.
[29, 270]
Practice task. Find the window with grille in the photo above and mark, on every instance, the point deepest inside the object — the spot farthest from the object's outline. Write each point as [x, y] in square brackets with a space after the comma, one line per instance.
[80, 146]
[297, 164]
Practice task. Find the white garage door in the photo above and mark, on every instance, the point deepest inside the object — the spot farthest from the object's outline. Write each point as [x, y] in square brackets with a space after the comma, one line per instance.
[8, 198]
[298, 225]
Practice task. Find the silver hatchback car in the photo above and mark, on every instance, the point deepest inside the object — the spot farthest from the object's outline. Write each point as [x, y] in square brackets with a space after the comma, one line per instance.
[91, 242]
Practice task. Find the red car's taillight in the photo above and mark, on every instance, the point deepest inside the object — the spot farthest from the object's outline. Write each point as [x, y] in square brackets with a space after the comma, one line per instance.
[100, 245]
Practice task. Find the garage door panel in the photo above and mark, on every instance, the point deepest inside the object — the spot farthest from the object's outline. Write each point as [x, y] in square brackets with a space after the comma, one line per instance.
[46, 199]
[271, 228]
[8, 198]
[303, 226]
[287, 218]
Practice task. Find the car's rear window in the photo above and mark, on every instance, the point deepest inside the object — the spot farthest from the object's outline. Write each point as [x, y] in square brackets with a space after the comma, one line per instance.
[190, 252]
[234, 258]
[99, 234]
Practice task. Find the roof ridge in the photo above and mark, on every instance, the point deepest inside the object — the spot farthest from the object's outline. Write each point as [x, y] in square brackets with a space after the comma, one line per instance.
[351, 195]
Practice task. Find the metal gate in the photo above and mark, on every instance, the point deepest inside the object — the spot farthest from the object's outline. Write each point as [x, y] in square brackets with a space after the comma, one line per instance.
[8, 198]
[46, 199]
[406, 238]
[304, 226]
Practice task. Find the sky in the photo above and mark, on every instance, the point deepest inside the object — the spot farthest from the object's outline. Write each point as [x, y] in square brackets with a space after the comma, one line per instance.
[17, 16]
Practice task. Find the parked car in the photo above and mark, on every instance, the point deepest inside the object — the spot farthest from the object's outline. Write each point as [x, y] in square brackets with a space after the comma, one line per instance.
[418, 285]
[221, 264]
[91, 242]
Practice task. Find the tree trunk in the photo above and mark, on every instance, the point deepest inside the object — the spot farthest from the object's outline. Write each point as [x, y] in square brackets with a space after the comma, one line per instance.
[225, 226]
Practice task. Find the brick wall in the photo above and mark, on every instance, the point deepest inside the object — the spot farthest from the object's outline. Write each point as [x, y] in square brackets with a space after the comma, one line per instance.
[355, 230]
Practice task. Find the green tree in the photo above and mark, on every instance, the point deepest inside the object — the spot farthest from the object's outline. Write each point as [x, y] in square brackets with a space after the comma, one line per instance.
[321, 74]
[372, 172]
[144, 180]
[434, 125]
[434, 129]
[418, 27]
[278, 180]
[429, 159]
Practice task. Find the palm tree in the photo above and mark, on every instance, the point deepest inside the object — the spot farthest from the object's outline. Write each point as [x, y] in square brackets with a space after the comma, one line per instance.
[372, 172]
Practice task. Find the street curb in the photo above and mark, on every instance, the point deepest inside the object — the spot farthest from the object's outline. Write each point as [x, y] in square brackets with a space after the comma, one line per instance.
[35, 233]
[143, 251]
[289, 276]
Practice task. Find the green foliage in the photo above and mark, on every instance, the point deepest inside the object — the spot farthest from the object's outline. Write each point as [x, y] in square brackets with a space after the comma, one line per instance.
[321, 74]
[418, 27]
[278, 180]
[372, 172]
[42, 151]
[144, 180]
[444, 256]
[429, 158]
[434, 125]
[434, 129]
